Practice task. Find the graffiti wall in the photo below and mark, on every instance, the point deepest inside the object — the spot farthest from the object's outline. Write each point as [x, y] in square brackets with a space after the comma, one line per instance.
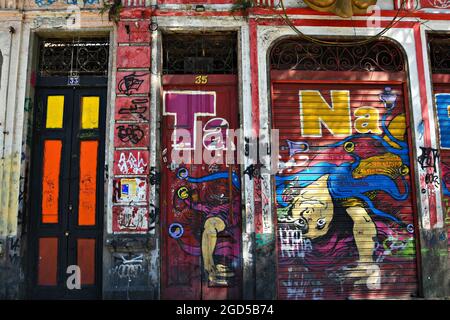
[343, 192]
[131, 214]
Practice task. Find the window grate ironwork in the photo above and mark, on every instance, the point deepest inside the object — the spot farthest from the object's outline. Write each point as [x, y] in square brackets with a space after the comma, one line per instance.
[69, 57]
[291, 54]
[440, 53]
[199, 54]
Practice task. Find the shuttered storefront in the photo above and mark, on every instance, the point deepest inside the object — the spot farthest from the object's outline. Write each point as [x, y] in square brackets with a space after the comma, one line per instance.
[344, 192]
[442, 101]
[439, 46]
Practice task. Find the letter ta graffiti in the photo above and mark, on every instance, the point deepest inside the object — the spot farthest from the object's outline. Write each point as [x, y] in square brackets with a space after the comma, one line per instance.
[186, 106]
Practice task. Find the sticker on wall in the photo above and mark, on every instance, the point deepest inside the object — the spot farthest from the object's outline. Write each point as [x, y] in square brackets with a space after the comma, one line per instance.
[130, 219]
[131, 162]
[130, 190]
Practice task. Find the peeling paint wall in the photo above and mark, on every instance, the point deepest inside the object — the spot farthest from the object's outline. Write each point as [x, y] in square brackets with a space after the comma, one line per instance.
[131, 222]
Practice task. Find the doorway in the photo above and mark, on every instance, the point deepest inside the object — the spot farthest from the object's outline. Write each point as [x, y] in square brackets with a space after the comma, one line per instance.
[66, 203]
[200, 195]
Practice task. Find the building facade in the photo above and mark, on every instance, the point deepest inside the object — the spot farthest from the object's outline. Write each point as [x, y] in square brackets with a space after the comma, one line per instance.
[224, 150]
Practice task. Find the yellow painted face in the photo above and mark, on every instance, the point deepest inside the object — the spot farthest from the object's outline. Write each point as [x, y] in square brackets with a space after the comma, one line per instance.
[343, 8]
[313, 209]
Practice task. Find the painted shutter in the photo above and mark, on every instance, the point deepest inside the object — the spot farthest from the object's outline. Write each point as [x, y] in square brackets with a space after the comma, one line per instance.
[343, 193]
[442, 103]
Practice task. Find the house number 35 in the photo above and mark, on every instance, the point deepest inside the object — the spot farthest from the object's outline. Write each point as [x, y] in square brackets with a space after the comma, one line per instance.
[201, 79]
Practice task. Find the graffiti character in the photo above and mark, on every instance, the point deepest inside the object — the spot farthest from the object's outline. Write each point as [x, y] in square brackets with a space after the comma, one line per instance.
[319, 196]
[217, 204]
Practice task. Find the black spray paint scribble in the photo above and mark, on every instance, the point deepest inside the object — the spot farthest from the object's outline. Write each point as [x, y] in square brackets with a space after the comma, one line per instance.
[428, 158]
[138, 107]
[131, 133]
[130, 82]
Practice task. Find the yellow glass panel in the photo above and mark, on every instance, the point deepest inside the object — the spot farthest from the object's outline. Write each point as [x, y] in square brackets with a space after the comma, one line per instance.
[89, 112]
[55, 112]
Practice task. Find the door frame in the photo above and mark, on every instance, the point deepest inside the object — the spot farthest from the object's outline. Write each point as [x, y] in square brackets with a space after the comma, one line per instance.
[58, 82]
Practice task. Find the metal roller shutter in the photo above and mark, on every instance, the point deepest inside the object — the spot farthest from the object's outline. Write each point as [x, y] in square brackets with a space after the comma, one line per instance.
[344, 195]
[442, 103]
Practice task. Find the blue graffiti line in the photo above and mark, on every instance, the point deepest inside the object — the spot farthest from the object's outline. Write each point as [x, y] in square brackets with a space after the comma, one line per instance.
[402, 152]
[341, 183]
[215, 176]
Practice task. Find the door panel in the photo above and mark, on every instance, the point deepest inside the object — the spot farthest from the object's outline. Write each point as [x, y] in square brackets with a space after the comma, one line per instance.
[67, 193]
[201, 227]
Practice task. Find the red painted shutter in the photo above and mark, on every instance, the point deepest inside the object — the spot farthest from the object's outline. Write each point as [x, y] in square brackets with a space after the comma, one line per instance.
[442, 104]
[344, 201]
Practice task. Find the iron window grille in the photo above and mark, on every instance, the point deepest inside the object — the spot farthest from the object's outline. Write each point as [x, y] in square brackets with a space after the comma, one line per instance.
[199, 54]
[439, 46]
[291, 54]
[80, 57]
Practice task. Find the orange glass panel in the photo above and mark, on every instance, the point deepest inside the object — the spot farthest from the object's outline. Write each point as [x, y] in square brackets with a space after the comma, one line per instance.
[86, 260]
[88, 183]
[48, 261]
[50, 180]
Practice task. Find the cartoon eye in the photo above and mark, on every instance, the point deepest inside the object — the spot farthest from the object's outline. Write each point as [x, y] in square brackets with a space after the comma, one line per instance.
[301, 223]
[321, 223]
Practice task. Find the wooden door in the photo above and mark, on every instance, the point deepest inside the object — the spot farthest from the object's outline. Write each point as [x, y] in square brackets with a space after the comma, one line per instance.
[67, 193]
[201, 196]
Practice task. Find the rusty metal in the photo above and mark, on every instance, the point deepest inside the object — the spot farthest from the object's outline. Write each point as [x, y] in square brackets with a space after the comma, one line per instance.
[66, 57]
[440, 53]
[199, 54]
[301, 55]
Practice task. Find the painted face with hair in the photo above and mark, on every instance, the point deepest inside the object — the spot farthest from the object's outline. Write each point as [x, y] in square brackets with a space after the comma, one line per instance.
[312, 210]
[343, 8]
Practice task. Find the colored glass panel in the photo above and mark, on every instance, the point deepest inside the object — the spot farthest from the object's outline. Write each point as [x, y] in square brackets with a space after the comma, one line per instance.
[55, 112]
[90, 107]
[88, 183]
[86, 260]
[50, 180]
[48, 261]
